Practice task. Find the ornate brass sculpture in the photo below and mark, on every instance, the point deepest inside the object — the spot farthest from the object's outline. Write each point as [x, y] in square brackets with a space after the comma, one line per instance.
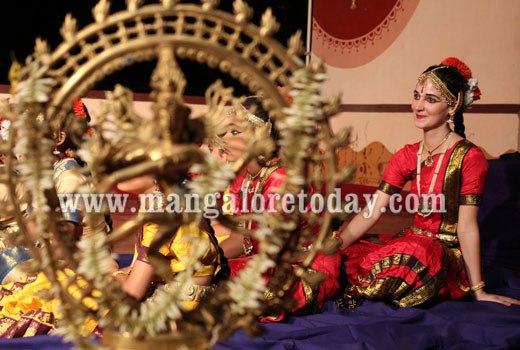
[167, 147]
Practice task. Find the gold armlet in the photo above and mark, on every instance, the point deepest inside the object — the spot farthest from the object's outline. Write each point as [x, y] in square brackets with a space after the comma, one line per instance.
[475, 288]
[120, 272]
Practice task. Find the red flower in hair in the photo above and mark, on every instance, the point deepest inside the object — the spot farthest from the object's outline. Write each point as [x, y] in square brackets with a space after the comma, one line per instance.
[464, 70]
[285, 94]
[79, 108]
[458, 65]
[476, 94]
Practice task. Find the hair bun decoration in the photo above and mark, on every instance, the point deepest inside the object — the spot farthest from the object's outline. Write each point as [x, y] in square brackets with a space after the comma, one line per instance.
[459, 65]
[79, 109]
[286, 96]
[473, 93]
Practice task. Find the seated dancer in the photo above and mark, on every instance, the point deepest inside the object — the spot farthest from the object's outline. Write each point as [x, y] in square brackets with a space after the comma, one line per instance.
[138, 278]
[263, 177]
[11, 255]
[22, 311]
[67, 179]
[438, 257]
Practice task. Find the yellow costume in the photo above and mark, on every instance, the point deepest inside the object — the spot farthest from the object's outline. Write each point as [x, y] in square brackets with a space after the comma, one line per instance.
[177, 250]
[23, 313]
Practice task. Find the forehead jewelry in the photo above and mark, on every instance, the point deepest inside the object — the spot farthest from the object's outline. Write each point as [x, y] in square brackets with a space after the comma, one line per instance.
[256, 121]
[439, 84]
[253, 119]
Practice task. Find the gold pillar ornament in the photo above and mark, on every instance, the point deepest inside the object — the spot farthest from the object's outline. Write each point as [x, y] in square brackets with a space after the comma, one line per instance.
[14, 74]
[126, 145]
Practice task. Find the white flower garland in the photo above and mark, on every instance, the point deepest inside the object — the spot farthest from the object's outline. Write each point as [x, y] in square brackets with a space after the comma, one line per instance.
[32, 146]
[247, 289]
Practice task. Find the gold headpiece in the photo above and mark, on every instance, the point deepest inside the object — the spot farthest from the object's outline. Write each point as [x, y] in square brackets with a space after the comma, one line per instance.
[256, 121]
[445, 92]
[253, 119]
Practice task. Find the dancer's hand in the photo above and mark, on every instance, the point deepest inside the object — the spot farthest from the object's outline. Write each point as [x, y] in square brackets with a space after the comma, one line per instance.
[483, 296]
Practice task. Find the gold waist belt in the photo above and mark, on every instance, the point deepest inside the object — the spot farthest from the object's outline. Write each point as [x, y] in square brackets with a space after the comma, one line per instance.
[452, 239]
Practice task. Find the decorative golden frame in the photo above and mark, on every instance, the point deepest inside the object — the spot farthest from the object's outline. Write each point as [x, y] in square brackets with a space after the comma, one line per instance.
[207, 35]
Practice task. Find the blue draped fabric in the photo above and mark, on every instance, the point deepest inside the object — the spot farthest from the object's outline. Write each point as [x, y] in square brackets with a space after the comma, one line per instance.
[376, 325]
[39, 342]
[10, 258]
[499, 215]
[450, 325]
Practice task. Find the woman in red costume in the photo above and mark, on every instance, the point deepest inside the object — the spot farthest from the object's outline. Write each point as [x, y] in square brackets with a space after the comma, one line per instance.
[438, 257]
[263, 177]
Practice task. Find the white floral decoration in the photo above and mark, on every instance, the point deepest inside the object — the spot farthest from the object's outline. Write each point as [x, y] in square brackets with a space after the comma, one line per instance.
[212, 176]
[4, 129]
[31, 145]
[468, 96]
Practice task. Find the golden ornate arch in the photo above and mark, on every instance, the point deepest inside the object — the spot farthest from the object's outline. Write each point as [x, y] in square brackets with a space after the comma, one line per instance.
[200, 33]
[163, 147]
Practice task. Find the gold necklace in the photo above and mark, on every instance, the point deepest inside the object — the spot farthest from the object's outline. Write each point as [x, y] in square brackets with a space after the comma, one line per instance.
[425, 207]
[429, 159]
[253, 177]
[263, 174]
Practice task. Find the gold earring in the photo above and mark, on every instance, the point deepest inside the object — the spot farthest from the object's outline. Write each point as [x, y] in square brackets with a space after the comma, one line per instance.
[450, 119]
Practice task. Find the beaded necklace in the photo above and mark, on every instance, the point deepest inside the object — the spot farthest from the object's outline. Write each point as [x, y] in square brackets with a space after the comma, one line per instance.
[425, 205]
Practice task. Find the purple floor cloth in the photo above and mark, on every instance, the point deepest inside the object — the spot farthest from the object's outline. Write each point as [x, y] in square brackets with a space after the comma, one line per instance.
[453, 325]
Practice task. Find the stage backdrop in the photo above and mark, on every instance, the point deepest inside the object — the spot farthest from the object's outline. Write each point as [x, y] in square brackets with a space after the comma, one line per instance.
[375, 51]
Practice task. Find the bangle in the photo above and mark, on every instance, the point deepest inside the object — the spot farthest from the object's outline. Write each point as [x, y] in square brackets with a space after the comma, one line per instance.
[477, 287]
[337, 236]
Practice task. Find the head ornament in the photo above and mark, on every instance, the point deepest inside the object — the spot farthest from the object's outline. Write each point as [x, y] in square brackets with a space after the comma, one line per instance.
[463, 98]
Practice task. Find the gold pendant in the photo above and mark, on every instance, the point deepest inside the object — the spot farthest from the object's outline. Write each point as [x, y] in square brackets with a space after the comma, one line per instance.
[425, 207]
[247, 244]
[429, 161]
